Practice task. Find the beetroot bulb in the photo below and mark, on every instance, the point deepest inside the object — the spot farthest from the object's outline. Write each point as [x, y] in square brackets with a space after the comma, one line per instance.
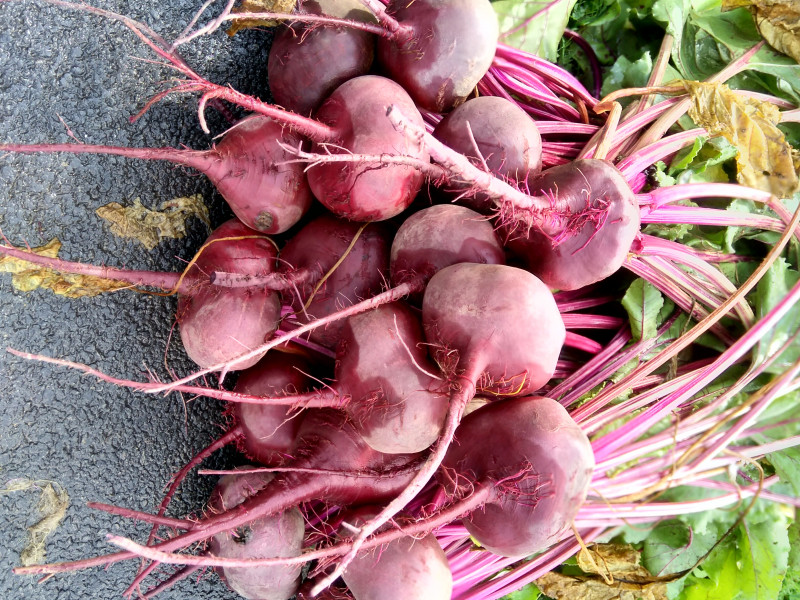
[248, 166]
[356, 112]
[409, 567]
[268, 432]
[218, 323]
[439, 236]
[300, 70]
[568, 256]
[316, 249]
[384, 382]
[494, 133]
[274, 535]
[397, 402]
[439, 49]
[538, 464]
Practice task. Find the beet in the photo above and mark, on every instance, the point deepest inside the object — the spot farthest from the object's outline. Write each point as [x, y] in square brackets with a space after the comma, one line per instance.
[449, 49]
[439, 236]
[356, 111]
[595, 220]
[301, 72]
[317, 247]
[496, 132]
[397, 404]
[408, 567]
[269, 432]
[275, 535]
[539, 463]
[217, 323]
[247, 166]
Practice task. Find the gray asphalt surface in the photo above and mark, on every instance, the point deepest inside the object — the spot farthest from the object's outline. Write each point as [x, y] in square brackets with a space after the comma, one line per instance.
[99, 442]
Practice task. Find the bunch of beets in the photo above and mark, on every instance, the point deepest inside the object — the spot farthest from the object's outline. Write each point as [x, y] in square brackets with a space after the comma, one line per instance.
[422, 292]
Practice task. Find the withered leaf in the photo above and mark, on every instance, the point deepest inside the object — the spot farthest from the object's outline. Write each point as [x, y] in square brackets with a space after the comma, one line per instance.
[565, 587]
[778, 22]
[52, 508]
[150, 226]
[254, 6]
[27, 277]
[613, 572]
[612, 560]
[765, 159]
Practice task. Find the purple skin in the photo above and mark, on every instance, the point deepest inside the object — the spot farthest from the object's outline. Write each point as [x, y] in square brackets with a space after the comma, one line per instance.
[439, 236]
[217, 323]
[450, 50]
[251, 171]
[357, 112]
[269, 432]
[395, 406]
[271, 536]
[539, 463]
[301, 72]
[318, 246]
[496, 326]
[570, 255]
[502, 134]
[410, 567]
[248, 167]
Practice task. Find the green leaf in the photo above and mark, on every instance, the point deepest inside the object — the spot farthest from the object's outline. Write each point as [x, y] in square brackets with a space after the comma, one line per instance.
[764, 551]
[533, 25]
[643, 302]
[626, 73]
[529, 592]
[673, 14]
[772, 288]
[722, 583]
[673, 547]
[791, 582]
[787, 466]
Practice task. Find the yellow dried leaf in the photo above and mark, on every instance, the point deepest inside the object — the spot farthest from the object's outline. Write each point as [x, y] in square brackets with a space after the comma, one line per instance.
[52, 508]
[150, 226]
[613, 572]
[778, 22]
[27, 277]
[765, 160]
[253, 6]
[565, 587]
[612, 560]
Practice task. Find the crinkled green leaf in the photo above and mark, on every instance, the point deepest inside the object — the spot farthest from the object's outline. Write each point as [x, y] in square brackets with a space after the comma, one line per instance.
[764, 554]
[533, 25]
[626, 73]
[595, 12]
[748, 564]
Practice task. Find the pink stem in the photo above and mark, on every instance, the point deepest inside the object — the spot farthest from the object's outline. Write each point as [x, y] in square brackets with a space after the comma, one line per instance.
[140, 516]
[308, 400]
[579, 342]
[156, 279]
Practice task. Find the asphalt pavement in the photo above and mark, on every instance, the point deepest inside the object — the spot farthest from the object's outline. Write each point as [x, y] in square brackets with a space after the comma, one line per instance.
[65, 72]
